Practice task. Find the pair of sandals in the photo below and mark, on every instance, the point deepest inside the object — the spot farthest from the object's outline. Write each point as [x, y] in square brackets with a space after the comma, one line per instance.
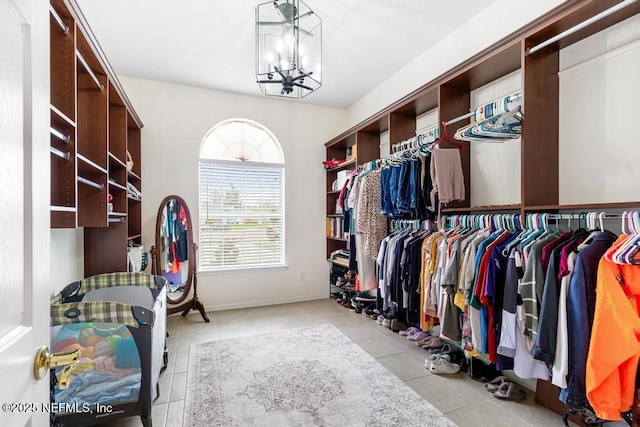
[430, 342]
[503, 388]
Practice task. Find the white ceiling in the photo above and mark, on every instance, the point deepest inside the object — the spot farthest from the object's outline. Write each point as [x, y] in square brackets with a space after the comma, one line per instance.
[211, 43]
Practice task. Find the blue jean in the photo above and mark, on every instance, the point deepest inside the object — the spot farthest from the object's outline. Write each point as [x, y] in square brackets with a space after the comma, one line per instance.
[386, 207]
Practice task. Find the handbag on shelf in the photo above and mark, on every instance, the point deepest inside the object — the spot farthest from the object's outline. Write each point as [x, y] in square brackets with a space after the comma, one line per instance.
[129, 161]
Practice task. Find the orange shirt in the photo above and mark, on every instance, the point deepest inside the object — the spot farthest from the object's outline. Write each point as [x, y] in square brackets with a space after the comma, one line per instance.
[614, 349]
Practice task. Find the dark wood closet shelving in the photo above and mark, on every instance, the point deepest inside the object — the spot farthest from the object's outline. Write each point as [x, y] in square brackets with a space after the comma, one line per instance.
[450, 94]
[134, 175]
[344, 165]
[339, 239]
[91, 110]
[586, 206]
[493, 208]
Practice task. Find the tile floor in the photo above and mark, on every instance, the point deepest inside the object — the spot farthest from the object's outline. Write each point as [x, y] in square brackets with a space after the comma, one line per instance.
[459, 397]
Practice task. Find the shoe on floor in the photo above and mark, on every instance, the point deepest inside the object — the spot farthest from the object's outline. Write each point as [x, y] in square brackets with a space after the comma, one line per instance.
[444, 367]
[397, 326]
[429, 361]
[495, 384]
[409, 331]
[364, 297]
[510, 391]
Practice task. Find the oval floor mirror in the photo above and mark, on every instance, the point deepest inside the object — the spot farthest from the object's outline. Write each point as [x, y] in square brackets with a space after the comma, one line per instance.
[174, 256]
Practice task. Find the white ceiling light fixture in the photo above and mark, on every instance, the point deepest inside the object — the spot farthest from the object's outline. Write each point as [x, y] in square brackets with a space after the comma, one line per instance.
[288, 49]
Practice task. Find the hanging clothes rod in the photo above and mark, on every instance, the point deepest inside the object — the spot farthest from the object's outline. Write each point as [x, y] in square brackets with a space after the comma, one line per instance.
[577, 215]
[111, 220]
[472, 113]
[63, 26]
[89, 70]
[61, 154]
[581, 25]
[90, 183]
[59, 134]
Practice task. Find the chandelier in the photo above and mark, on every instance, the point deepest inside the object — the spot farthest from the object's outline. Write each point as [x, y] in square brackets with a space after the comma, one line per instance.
[288, 49]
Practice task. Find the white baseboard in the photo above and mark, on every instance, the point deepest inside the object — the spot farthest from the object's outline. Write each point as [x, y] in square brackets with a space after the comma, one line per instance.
[262, 303]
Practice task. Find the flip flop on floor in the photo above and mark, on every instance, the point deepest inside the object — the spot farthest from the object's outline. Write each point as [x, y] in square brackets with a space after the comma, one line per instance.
[510, 391]
[432, 343]
[418, 336]
[425, 340]
[409, 331]
[494, 384]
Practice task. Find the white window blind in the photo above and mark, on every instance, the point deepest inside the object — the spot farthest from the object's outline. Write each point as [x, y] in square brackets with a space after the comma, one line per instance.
[241, 214]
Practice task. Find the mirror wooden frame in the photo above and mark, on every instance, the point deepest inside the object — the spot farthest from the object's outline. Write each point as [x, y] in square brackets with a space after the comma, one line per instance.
[181, 304]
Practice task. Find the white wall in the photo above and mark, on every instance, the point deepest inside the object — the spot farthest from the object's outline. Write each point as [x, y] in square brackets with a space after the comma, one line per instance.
[498, 20]
[66, 257]
[176, 118]
[495, 167]
[599, 91]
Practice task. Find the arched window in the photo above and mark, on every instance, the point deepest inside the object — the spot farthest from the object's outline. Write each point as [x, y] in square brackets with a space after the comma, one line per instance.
[241, 197]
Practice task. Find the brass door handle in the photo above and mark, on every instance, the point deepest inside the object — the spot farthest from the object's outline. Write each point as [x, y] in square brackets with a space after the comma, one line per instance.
[45, 361]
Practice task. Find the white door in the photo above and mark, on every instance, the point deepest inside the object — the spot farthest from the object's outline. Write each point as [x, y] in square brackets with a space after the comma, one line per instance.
[24, 208]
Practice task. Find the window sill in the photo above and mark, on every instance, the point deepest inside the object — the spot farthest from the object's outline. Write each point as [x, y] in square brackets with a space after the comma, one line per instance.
[238, 270]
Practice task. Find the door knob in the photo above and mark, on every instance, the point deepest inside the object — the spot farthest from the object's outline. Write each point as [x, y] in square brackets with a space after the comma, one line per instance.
[45, 361]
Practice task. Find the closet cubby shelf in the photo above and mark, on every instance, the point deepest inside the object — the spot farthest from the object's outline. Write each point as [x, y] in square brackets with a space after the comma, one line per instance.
[343, 165]
[135, 199]
[587, 206]
[133, 174]
[89, 105]
[135, 236]
[335, 215]
[333, 193]
[492, 208]
[61, 115]
[91, 164]
[116, 160]
[115, 184]
[339, 239]
[339, 262]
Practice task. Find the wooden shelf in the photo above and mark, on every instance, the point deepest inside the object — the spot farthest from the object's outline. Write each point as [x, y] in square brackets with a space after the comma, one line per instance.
[135, 199]
[90, 164]
[586, 206]
[114, 159]
[93, 124]
[493, 208]
[335, 215]
[333, 193]
[134, 175]
[115, 184]
[135, 236]
[344, 165]
[61, 115]
[339, 239]
[340, 262]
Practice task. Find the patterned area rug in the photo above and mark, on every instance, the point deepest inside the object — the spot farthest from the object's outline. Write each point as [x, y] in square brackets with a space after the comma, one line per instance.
[313, 376]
